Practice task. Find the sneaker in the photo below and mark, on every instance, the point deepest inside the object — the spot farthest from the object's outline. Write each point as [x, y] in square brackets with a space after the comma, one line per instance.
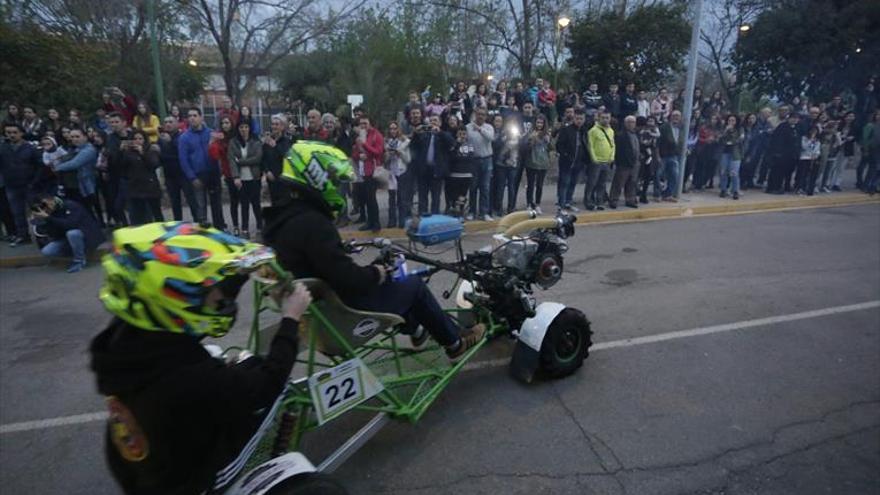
[18, 241]
[469, 217]
[600, 208]
[643, 200]
[488, 218]
[572, 208]
[613, 206]
[467, 340]
[419, 337]
[538, 210]
[590, 207]
[632, 205]
[735, 195]
[76, 266]
[723, 194]
[836, 188]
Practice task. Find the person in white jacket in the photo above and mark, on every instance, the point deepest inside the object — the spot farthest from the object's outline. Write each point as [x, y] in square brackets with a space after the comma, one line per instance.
[397, 158]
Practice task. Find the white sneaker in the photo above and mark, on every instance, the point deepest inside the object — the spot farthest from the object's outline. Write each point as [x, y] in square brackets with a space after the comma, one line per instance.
[469, 218]
[488, 218]
[572, 208]
[538, 210]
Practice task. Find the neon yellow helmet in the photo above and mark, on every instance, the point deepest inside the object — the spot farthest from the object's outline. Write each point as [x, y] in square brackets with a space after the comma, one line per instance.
[319, 167]
[158, 275]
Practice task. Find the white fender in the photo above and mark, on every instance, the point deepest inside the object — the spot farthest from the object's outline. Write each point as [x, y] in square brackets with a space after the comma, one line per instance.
[526, 353]
[262, 478]
[533, 329]
[465, 287]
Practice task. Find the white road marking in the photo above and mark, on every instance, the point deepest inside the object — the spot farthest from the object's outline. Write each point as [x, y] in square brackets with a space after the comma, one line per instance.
[42, 424]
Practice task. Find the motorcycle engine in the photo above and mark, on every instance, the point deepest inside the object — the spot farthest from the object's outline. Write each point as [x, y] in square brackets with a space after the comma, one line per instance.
[533, 262]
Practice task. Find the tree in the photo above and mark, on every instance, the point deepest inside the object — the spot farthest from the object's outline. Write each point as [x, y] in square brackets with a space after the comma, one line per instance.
[369, 55]
[252, 36]
[812, 47]
[106, 41]
[645, 47]
[725, 19]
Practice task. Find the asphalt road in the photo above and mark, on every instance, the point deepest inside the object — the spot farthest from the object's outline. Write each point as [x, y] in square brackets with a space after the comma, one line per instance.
[788, 406]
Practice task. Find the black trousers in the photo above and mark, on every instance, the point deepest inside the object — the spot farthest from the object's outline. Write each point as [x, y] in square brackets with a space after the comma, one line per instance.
[6, 214]
[145, 210]
[779, 167]
[534, 186]
[234, 199]
[249, 196]
[175, 186]
[411, 299]
[597, 177]
[368, 190]
[428, 184]
[456, 191]
[405, 194]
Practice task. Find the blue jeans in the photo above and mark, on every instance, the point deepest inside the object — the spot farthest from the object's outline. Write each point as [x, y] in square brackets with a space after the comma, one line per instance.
[568, 179]
[729, 168]
[669, 171]
[482, 179]
[74, 245]
[411, 299]
[18, 199]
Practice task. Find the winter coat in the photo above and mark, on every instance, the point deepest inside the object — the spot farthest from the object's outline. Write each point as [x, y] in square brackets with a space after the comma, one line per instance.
[601, 143]
[218, 150]
[140, 169]
[303, 234]
[419, 145]
[245, 168]
[70, 215]
[193, 152]
[572, 145]
[180, 420]
[19, 164]
[170, 158]
[372, 149]
[83, 163]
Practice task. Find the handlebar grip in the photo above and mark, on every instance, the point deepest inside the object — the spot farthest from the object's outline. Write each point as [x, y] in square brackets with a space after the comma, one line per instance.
[530, 225]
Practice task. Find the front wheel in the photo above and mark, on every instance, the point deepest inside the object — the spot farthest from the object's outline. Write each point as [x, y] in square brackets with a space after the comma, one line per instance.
[566, 344]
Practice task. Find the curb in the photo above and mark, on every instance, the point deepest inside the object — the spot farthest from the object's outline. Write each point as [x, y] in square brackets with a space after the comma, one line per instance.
[678, 211]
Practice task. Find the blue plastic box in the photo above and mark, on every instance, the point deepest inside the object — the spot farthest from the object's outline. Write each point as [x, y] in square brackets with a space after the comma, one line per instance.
[434, 229]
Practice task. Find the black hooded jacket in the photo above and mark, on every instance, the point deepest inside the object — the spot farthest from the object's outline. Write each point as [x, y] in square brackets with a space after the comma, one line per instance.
[179, 417]
[308, 245]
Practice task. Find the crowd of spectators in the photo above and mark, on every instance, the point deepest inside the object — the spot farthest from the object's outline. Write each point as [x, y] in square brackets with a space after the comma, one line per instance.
[463, 153]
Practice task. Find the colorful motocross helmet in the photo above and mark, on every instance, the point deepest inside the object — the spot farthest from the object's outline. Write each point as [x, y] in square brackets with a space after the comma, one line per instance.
[318, 167]
[159, 275]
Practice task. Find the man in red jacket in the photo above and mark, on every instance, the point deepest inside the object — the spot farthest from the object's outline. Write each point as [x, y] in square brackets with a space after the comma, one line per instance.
[367, 153]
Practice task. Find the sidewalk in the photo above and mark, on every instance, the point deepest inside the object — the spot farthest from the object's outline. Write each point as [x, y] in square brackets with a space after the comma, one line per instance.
[705, 203]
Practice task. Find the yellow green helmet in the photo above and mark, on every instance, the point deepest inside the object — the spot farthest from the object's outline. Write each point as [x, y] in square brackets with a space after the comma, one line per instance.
[319, 167]
[158, 275]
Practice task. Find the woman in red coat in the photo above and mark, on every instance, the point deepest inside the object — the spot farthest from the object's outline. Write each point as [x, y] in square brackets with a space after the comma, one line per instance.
[219, 150]
[367, 154]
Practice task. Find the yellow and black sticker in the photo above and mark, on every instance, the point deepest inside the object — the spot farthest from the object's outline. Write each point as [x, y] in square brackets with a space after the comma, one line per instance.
[125, 432]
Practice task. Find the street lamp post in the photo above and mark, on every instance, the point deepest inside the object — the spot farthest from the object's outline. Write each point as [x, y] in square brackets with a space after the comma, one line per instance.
[157, 66]
[561, 24]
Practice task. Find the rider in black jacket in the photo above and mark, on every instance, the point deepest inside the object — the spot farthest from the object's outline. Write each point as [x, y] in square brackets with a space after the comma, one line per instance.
[303, 234]
[180, 421]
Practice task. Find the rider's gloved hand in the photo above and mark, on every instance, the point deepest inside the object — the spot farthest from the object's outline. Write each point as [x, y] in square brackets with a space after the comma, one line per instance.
[296, 302]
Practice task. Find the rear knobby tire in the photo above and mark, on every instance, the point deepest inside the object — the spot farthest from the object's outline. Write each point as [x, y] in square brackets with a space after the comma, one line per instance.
[308, 484]
[566, 344]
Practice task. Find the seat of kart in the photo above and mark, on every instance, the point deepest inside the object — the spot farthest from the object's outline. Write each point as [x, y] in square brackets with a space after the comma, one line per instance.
[354, 325]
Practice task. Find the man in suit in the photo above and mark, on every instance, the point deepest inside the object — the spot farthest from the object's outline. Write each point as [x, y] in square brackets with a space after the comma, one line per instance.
[430, 148]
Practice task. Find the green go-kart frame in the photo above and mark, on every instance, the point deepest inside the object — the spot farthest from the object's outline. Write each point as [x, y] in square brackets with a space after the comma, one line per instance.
[404, 380]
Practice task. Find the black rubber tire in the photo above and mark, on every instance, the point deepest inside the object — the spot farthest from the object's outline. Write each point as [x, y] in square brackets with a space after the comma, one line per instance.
[308, 484]
[566, 344]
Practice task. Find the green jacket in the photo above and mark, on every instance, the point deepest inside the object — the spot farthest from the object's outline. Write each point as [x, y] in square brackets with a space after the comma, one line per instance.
[601, 144]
